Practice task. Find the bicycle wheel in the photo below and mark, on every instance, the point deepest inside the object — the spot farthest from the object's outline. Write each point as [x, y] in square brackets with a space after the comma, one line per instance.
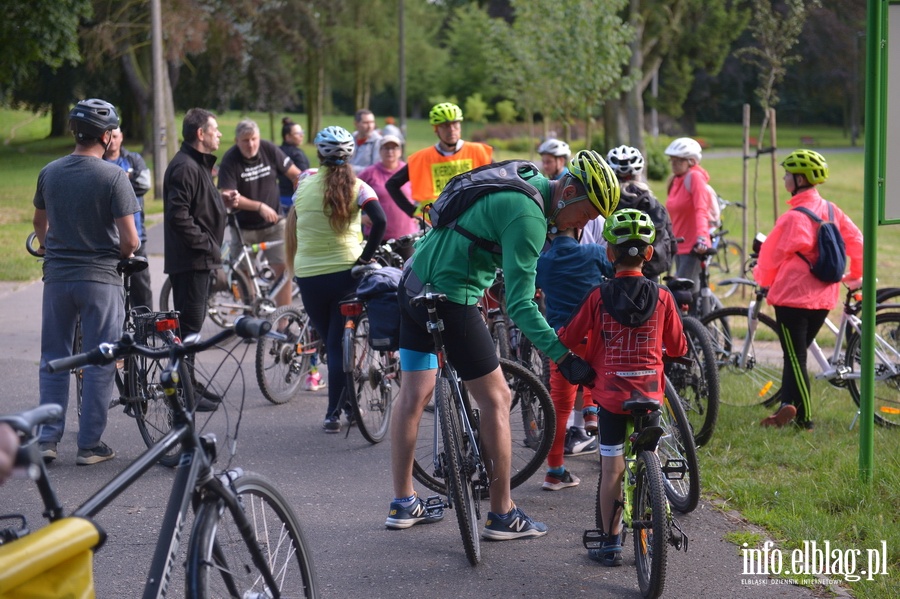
[77, 344]
[534, 360]
[887, 362]
[283, 365]
[754, 378]
[373, 380]
[225, 305]
[146, 400]
[459, 465]
[678, 444]
[698, 384]
[649, 522]
[728, 263]
[532, 421]
[500, 334]
[219, 563]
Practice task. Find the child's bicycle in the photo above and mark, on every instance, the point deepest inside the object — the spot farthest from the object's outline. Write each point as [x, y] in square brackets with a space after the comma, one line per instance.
[644, 508]
[245, 541]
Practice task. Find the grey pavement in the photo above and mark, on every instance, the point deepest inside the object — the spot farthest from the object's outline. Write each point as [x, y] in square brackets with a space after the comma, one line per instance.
[340, 488]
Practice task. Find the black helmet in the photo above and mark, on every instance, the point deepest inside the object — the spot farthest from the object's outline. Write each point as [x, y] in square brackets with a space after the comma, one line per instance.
[90, 119]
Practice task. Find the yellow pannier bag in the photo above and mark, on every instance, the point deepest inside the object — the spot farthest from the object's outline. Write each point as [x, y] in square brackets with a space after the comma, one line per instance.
[55, 562]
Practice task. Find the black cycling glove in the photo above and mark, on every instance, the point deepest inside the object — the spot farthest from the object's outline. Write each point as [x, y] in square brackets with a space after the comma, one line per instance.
[577, 370]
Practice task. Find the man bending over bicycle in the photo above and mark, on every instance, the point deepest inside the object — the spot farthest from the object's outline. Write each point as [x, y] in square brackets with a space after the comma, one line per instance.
[455, 266]
[628, 320]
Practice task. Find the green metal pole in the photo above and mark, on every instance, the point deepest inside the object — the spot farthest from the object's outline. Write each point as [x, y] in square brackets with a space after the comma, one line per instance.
[876, 84]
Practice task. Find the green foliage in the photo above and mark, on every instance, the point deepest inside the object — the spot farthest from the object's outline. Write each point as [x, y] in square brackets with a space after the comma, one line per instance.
[38, 33]
[656, 163]
[472, 45]
[506, 111]
[476, 109]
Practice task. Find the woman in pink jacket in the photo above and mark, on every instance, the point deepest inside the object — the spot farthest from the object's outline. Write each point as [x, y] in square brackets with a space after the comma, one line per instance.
[801, 300]
[688, 207]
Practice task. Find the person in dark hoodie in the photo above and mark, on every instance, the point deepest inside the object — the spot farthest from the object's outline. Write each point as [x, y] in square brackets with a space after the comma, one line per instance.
[628, 321]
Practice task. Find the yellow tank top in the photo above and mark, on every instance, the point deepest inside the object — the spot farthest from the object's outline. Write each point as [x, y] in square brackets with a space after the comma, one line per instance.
[321, 251]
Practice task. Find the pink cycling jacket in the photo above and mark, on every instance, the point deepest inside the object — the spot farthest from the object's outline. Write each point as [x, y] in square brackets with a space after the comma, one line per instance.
[787, 276]
[689, 210]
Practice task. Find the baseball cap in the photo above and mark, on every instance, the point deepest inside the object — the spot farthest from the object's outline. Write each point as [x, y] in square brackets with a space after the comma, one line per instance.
[392, 139]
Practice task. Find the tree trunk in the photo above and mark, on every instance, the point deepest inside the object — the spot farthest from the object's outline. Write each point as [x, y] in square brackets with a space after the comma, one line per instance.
[141, 92]
[59, 118]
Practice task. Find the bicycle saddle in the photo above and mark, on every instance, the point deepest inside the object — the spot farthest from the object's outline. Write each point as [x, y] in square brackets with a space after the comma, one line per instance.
[641, 404]
[130, 266]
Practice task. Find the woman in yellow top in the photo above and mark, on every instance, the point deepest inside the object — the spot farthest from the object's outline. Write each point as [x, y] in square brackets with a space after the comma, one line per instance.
[326, 246]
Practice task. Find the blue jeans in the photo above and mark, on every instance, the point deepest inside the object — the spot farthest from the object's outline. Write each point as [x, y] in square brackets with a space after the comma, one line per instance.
[102, 310]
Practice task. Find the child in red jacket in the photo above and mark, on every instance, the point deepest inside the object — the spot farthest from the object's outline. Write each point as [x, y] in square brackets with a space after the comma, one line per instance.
[628, 321]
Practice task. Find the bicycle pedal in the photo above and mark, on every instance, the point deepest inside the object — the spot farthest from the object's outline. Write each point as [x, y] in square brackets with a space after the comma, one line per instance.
[594, 538]
[435, 505]
[674, 469]
[679, 540]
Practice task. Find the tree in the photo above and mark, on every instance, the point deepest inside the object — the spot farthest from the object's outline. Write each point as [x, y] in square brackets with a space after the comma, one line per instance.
[35, 34]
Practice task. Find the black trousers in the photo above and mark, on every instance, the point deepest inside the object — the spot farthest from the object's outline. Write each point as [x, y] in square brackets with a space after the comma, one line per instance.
[798, 328]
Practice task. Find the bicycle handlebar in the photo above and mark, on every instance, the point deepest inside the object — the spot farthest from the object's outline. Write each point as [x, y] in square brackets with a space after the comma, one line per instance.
[244, 327]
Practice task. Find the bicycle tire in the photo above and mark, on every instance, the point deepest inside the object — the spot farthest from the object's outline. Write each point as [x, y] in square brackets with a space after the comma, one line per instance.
[219, 563]
[887, 387]
[145, 398]
[728, 263]
[650, 525]
[223, 306]
[458, 466]
[698, 384]
[677, 443]
[534, 360]
[500, 334]
[758, 381]
[532, 426]
[373, 381]
[282, 366]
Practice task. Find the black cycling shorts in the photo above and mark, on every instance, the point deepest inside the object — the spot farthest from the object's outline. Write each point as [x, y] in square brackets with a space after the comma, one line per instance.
[611, 429]
[467, 339]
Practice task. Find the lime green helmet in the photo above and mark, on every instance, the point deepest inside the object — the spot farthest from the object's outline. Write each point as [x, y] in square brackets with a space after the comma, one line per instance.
[598, 179]
[445, 112]
[627, 225]
[808, 163]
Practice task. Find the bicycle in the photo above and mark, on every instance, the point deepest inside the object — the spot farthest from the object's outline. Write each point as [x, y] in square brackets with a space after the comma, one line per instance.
[741, 346]
[245, 285]
[458, 460]
[373, 374]
[696, 381]
[645, 509]
[246, 540]
[729, 259]
[532, 423]
[678, 447]
[136, 376]
[284, 363]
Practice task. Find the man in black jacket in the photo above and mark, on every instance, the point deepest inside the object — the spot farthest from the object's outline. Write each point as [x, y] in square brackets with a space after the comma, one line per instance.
[194, 220]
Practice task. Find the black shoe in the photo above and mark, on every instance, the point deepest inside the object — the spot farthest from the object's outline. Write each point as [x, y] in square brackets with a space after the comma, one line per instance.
[201, 390]
[207, 405]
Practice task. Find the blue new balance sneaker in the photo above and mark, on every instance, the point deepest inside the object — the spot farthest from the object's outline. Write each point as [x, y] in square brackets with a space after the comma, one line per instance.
[400, 517]
[514, 525]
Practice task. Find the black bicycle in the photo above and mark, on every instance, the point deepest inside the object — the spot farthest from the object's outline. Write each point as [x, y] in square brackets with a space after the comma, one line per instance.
[246, 540]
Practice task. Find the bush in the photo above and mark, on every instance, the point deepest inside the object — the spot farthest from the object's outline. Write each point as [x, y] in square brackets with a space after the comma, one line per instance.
[656, 161]
[519, 145]
[476, 109]
[506, 111]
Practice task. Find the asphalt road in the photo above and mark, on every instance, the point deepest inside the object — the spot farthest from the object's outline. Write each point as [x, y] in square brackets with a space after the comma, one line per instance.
[340, 488]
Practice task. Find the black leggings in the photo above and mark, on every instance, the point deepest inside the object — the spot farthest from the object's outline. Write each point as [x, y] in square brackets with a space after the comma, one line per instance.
[321, 294]
[798, 328]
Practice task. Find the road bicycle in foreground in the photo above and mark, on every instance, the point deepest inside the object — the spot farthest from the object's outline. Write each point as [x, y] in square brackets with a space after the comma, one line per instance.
[749, 353]
[644, 507]
[245, 541]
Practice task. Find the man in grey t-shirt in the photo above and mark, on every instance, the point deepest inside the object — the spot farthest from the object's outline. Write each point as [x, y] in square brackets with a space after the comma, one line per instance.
[84, 219]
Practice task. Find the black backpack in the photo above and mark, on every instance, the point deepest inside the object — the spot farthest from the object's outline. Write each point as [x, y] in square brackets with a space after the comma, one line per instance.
[463, 189]
[664, 246]
[832, 261]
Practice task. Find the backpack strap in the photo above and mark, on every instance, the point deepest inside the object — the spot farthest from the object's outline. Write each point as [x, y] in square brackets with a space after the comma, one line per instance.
[819, 222]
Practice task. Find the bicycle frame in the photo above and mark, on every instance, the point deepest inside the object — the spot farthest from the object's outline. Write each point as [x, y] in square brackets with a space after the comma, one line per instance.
[194, 482]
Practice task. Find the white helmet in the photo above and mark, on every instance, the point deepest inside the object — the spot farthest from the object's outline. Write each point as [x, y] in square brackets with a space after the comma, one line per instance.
[685, 147]
[555, 147]
[626, 161]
